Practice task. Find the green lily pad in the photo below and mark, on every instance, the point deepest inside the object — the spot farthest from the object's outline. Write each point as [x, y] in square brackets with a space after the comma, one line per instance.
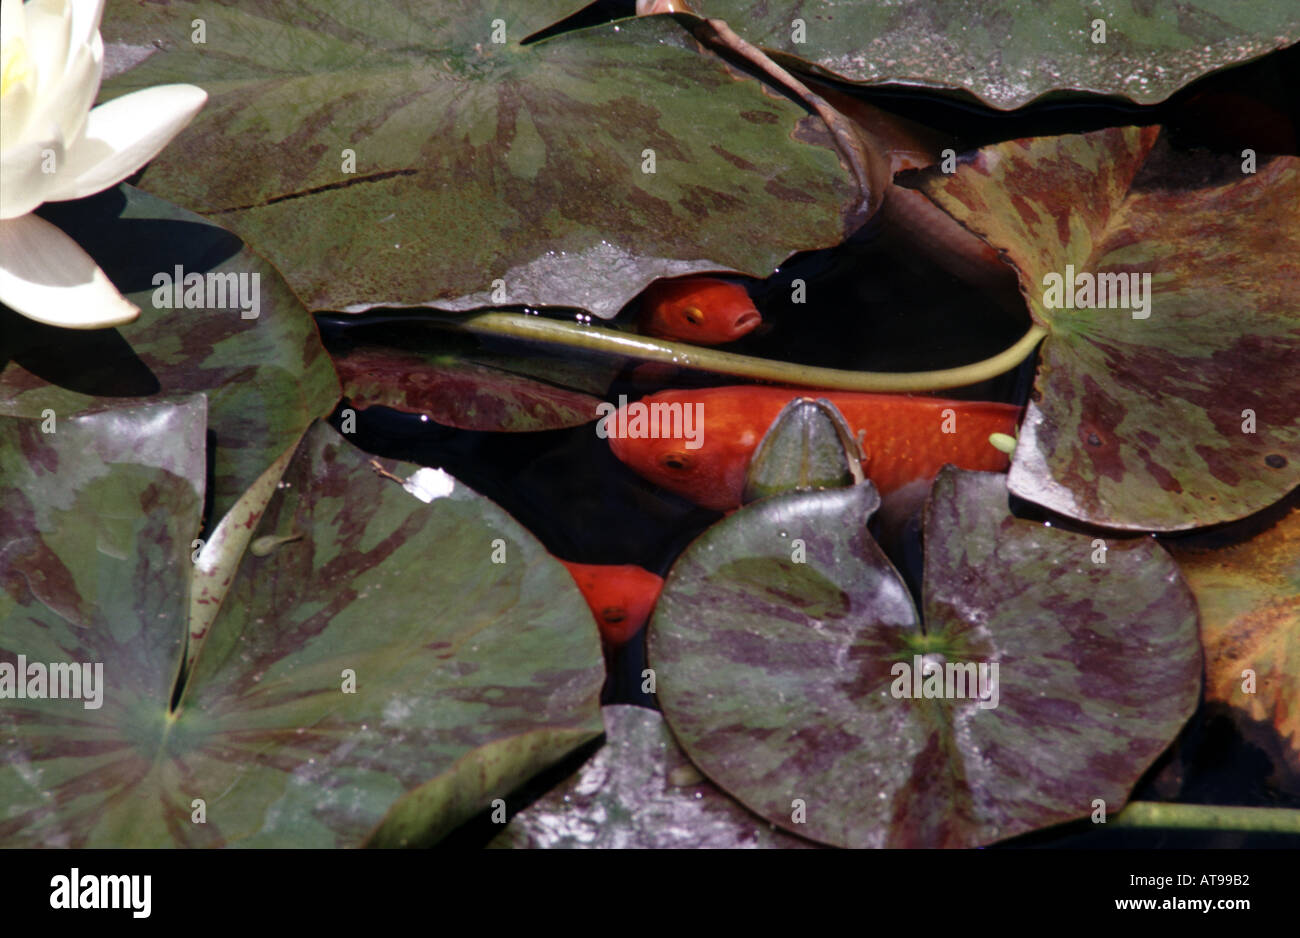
[461, 385]
[477, 160]
[1249, 597]
[639, 792]
[1006, 52]
[1188, 415]
[782, 678]
[470, 676]
[266, 377]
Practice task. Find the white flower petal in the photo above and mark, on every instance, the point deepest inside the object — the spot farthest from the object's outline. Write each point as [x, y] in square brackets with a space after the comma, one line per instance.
[68, 101]
[46, 276]
[86, 15]
[123, 135]
[23, 182]
[19, 78]
[16, 110]
[49, 37]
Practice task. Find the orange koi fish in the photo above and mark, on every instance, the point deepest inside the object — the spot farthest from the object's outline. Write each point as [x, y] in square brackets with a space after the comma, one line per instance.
[905, 439]
[699, 310]
[621, 597]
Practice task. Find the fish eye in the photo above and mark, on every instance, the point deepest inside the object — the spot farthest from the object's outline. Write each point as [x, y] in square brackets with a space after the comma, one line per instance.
[675, 461]
[693, 315]
[613, 614]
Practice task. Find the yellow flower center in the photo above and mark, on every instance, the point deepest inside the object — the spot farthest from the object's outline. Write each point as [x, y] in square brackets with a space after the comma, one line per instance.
[15, 65]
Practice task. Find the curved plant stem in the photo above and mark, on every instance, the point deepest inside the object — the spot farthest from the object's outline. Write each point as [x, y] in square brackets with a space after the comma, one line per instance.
[643, 348]
[1209, 817]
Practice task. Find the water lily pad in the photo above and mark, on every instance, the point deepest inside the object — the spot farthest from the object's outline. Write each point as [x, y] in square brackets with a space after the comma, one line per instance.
[781, 676]
[639, 791]
[470, 676]
[1182, 414]
[1007, 52]
[266, 377]
[478, 160]
[1249, 597]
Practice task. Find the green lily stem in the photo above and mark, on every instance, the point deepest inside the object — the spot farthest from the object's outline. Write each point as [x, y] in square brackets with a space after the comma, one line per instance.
[1208, 817]
[643, 348]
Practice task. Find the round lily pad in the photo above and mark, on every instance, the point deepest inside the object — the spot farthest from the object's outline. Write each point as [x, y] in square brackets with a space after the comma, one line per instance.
[783, 638]
[395, 153]
[373, 676]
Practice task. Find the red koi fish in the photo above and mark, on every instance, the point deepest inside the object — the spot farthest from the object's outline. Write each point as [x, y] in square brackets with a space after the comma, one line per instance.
[903, 437]
[699, 310]
[621, 597]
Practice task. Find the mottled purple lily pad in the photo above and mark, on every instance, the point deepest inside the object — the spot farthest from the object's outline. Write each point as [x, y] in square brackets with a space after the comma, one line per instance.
[485, 171]
[782, 637]
[372, 676]
[1180, 410]
[473, 389]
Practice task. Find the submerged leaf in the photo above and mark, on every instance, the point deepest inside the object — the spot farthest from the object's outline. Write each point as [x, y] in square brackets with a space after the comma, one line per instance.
[373, 676]
[783, 635]
[470, 391]
[478, 159]
[639, 792]
[1178, 410]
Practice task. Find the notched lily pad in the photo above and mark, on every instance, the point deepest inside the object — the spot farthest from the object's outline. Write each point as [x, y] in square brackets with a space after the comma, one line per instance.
[371, 677]
[1006, 52]
[266, 376]
[640, 792]
[783, 636]
[1176, 411]
[478, 160]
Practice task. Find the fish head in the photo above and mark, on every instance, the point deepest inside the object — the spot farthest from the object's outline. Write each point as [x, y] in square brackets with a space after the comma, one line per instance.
[700, 310]
[621, 597]
[710, 471]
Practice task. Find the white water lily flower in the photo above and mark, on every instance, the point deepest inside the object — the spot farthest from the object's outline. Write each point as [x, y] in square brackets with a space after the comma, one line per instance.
[53, 147]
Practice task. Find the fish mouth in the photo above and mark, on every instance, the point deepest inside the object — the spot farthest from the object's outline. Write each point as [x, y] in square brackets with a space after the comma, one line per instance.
[746, 322]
